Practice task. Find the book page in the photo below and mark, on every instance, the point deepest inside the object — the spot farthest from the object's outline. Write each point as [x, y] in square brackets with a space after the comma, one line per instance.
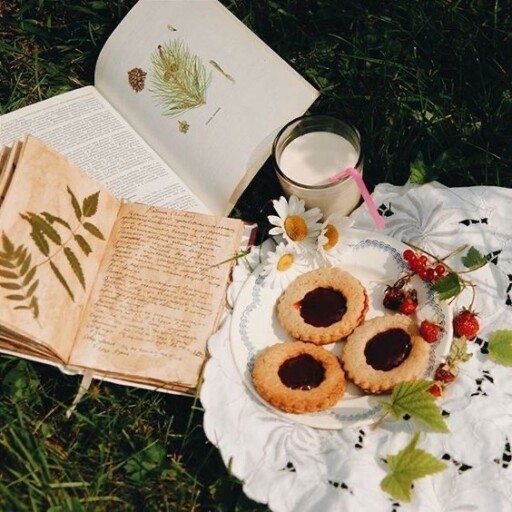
[54, 224]
[203, 90]
[159, 295]
[83, 126]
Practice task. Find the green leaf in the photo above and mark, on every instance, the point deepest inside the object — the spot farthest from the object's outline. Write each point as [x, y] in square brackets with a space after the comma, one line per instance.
[75, 265]
[448, 286]
[140, 464]
[20, 382]
[419, 172]
[414, 399]
[82, 243]
[407, 465]
[500, 347]
[474, 259]
[90, 204]
[75, 204]
[93, 230]
[62, 280]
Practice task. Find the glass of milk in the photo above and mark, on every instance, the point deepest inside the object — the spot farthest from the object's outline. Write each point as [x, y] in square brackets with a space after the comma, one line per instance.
[311, 150]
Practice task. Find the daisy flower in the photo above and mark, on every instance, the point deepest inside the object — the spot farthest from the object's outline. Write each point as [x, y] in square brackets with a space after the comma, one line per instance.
[300, 228]
[330, 238]
[284, 265]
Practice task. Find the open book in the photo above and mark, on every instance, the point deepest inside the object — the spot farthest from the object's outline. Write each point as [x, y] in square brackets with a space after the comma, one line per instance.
[185, 104]
[126, 291]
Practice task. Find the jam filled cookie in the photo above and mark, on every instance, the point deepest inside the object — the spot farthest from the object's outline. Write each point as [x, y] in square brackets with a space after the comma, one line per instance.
[322, 306]
[384, 351]
[298, 377]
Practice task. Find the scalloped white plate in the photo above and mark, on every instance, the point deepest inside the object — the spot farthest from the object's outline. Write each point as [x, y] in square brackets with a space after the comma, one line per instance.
[376, 261]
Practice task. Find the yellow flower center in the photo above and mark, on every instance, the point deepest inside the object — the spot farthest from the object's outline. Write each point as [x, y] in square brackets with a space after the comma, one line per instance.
[296, 227]
[285, 262]
[332, 235]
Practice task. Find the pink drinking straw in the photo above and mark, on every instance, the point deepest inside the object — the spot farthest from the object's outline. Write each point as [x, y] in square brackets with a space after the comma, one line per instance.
[370, 204]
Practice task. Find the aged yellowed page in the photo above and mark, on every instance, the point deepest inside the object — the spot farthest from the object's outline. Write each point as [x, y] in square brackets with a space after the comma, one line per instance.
[54, 224]
[158, 296]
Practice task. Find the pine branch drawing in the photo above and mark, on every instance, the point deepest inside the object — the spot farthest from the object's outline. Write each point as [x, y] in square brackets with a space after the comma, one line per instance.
[18, 273]
[179, 79]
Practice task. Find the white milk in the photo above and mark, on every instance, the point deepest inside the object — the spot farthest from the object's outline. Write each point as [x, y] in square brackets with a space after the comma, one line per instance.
[314, 157]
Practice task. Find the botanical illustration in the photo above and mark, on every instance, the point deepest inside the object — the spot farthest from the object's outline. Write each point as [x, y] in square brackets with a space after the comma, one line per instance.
[52, 236]
[179, 80]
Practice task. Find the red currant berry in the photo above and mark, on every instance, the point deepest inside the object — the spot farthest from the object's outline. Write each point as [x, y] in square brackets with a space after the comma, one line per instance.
[408, 255]
[440, 270]
[422, 261]
[430, 274]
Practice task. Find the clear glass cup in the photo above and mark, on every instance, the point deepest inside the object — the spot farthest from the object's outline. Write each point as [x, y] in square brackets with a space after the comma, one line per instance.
[312, 149]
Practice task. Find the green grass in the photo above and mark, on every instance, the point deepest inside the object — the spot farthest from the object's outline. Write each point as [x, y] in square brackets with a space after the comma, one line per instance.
[428, 85]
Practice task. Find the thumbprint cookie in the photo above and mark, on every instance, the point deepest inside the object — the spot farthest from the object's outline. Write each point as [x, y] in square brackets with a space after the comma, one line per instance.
[384, 351]
[298, 377]
[322, 305]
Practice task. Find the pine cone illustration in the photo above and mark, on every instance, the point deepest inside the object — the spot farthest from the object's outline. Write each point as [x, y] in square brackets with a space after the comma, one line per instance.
[136, 79]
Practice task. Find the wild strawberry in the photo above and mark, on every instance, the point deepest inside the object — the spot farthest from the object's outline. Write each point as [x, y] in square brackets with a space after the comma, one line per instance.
[436, 390]
[430, 331]
[444, 374]
[466, 324]
[393, 297]
[408, 306]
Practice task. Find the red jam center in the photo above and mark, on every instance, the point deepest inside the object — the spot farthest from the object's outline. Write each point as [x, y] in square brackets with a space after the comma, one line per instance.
[388, 349]
[301, 372]
[323, 307]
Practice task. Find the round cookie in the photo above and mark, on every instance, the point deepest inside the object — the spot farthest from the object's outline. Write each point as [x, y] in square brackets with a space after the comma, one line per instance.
[322, 305]
[298, 377]
[384, 351]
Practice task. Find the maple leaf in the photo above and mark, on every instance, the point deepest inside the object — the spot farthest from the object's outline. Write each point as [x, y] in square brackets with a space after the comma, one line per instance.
[407, 465]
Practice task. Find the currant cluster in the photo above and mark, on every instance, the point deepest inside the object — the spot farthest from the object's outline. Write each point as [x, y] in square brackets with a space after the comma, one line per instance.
[419, 264]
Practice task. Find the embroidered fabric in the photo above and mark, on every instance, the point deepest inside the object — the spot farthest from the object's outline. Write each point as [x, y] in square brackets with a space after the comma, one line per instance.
[294, 467]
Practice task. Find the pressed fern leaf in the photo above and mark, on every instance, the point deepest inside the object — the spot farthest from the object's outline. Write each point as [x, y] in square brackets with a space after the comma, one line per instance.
[75, 204]
[52, 219]
[83, 244]
[75, 265]
[90, 204]
[39, 223]
[40, 242]
[30, 275]
[62, 280]
[7, 245]
[8, 274]
[93, 230]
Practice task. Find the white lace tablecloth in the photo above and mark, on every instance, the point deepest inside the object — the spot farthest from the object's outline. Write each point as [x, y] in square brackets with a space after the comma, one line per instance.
[293, 467]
